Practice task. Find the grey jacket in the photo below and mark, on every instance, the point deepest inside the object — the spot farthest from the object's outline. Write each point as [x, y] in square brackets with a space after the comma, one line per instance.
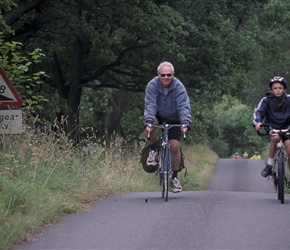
[173, 106]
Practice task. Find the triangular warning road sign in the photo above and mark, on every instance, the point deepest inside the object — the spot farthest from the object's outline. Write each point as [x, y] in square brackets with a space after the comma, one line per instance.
[8, 94]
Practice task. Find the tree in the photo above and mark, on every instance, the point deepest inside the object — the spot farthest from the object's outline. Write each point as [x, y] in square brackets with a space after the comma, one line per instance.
[236, 132]
[272, 58]
[20, 67]
[98, 44]
[117, 45]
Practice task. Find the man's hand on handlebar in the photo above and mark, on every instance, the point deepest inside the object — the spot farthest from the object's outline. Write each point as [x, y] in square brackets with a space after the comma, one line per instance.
[258, 126]
[149, 127]
[184, 128]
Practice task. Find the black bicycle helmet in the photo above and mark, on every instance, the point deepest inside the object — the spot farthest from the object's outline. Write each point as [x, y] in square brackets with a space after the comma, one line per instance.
[279, 79]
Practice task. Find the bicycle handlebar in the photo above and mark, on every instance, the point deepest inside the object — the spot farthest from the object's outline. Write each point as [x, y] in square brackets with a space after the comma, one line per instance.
[274, 131]
[166, 126]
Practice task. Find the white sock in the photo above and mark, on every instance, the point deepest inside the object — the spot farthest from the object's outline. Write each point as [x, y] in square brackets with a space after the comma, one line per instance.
[270, 161]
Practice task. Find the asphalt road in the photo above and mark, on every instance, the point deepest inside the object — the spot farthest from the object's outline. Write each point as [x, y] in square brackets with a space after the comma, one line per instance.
[239, 210]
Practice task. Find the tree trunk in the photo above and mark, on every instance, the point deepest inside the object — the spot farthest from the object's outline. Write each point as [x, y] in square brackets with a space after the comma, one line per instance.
[118, 103]
[75, 92]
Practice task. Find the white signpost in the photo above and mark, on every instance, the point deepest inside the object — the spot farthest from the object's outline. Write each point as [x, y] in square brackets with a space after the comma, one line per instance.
[10, 122]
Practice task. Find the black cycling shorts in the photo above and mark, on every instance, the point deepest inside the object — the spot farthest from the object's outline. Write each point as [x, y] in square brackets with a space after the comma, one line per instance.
[283, 137]
[175, 132]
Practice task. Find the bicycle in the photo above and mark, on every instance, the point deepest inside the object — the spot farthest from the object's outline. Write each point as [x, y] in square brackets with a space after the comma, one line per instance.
[280, 172]
[164, 170]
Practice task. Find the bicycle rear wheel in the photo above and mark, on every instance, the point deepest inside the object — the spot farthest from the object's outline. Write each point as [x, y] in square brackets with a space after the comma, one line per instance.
[280, 182]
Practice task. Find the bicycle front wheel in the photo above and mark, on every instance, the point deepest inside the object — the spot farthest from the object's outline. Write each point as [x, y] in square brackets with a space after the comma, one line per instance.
[166, 173]
[163, 173]
[280, 177]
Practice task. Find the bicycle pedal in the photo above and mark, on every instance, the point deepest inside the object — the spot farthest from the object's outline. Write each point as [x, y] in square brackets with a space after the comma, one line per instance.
[272, 178]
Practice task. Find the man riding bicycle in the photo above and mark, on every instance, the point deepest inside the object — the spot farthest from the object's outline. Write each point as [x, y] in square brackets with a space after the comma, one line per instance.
[166, 100]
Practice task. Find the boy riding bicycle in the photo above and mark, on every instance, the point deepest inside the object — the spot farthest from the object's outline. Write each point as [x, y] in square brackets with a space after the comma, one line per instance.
[166, 100]
[274, 109]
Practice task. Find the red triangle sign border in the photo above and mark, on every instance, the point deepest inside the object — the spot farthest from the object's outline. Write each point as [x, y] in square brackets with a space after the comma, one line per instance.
[18, 100]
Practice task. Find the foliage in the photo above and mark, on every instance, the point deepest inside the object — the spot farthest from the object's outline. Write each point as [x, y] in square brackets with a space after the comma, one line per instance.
[272, 34]
[236, 133]
[110, 45]
[89, 115]
[120, 47]
[20, 69]
[132, 122]
[210, 27]
[221, 48]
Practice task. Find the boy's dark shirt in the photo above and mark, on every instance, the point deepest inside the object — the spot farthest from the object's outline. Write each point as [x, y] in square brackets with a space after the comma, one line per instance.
[275, 111]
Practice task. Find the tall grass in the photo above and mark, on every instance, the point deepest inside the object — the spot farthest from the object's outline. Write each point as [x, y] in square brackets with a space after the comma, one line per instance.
[200, 162]
[43, 178]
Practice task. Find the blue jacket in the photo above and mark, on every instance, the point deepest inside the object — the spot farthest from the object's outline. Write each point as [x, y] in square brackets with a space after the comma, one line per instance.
[173, 106]
[276, 112]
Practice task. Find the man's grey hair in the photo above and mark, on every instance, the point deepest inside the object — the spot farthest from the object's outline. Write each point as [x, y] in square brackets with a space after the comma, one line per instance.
[165, 64]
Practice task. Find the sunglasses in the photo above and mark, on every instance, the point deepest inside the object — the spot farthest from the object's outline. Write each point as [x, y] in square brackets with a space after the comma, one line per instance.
[163, 75]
